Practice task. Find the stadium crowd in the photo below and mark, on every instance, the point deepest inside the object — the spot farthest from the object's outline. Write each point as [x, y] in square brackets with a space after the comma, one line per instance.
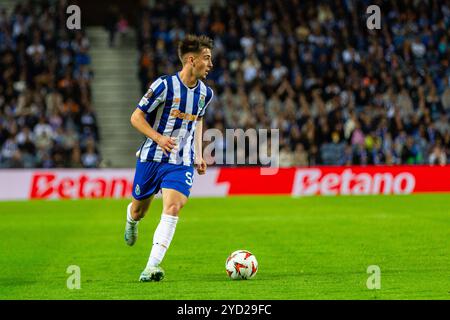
[340, 93]
[46, 117]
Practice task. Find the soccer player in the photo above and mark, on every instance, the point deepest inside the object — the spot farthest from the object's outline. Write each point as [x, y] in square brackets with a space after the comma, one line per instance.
[170, 116]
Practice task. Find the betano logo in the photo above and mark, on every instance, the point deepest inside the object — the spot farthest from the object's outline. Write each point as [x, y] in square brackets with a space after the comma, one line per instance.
[184, 116]
[315, 181]
[48, 185]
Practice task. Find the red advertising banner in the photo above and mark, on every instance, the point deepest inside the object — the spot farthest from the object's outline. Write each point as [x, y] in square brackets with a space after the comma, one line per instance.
[338, 180]
[220, 182]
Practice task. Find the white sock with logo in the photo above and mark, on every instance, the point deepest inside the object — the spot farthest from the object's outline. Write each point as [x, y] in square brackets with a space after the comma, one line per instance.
[130, 219]
[162, 238]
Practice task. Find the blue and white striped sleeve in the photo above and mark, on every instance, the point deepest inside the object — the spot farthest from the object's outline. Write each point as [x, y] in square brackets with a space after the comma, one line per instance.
[155, 95]
[208, 99]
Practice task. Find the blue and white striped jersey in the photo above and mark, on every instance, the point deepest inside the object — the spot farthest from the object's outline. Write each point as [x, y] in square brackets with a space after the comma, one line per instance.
[173, 109]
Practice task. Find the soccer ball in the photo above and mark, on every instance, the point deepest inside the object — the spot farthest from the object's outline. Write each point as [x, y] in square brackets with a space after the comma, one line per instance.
[241, 264]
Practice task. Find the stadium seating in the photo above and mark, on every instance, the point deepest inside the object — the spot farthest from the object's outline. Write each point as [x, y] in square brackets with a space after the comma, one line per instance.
[46, 116]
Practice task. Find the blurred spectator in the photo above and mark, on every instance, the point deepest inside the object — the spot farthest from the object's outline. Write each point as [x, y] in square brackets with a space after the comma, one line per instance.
[286, 157]
[123, 27]
[300, 156]
[437, 157]
[111, 23]
[90, 159]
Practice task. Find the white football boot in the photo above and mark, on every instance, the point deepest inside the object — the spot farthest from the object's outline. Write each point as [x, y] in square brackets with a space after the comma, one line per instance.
[152, 274]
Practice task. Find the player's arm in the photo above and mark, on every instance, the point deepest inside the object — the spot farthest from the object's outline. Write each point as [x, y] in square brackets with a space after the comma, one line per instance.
[154, 98]
[199, 162]
[138, 121]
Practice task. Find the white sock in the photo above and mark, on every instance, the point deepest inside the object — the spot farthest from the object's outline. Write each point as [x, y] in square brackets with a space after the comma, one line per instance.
[162, 238]
[129, 218]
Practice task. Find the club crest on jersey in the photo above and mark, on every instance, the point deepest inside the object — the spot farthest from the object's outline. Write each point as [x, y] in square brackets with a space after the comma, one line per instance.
[201, 102]
[137, 190]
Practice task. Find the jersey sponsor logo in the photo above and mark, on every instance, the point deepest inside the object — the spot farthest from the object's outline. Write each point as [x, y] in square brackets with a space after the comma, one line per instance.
[184, 116]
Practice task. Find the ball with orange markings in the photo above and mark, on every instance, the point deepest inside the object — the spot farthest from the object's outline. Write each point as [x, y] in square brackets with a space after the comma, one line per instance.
[241, 264]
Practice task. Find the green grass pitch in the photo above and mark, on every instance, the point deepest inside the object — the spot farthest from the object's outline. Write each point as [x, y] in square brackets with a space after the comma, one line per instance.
[307, 248]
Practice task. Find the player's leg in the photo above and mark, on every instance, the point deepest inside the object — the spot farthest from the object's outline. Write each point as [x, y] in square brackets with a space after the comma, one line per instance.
[173, 201]
[136, 210]
[175, 186]
[145, 185]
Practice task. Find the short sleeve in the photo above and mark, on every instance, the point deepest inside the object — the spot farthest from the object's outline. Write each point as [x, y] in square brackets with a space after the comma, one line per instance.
[155, 95]
[208, 99]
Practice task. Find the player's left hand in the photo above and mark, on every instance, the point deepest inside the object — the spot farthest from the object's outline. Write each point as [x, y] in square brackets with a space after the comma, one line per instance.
[200, 165]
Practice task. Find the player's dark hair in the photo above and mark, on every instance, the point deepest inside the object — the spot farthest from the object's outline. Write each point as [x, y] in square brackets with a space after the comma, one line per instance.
[195, 44]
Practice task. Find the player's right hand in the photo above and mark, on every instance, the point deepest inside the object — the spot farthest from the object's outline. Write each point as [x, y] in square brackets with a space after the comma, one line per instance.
[167, 144]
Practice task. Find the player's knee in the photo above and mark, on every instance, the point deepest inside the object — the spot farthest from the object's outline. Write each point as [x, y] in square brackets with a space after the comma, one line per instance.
[173, 208]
